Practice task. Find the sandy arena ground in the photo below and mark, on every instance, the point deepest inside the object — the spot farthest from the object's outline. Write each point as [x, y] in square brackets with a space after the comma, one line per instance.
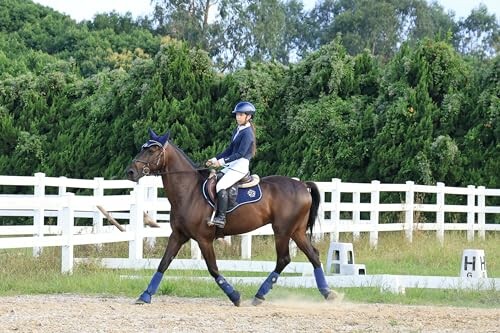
[82, 314]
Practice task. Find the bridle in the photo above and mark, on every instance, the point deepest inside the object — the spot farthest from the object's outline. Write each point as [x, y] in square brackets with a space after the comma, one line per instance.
[146, 169]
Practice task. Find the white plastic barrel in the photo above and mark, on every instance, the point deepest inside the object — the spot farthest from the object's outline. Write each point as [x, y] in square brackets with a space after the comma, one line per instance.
[473, 264]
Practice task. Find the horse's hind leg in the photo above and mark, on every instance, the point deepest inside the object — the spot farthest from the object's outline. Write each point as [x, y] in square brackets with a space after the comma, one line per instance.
[175, 242]
[282, 260]
[312, 254]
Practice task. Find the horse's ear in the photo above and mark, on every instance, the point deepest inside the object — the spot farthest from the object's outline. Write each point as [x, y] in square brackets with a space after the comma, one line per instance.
[153, 135]
[164, 138]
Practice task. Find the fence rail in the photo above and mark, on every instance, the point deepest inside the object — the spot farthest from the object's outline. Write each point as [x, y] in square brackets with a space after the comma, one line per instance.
[54, 215]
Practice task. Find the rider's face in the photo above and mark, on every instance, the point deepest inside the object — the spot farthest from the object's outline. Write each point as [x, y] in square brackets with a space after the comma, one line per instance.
[242, 118]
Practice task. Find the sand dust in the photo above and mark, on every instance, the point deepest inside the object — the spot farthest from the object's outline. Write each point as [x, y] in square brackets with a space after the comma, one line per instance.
[76, 313]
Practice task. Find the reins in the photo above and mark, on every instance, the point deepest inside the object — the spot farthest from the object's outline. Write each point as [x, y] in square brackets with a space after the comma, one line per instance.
[146, 170]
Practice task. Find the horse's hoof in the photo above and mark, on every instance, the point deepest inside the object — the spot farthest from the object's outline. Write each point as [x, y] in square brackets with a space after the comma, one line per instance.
[235, 297]
[334, 296]
[145, 298]
[257, 301]
[139, 301]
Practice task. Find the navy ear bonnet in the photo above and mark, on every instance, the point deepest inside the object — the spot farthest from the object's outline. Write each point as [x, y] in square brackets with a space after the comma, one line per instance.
[156, 140]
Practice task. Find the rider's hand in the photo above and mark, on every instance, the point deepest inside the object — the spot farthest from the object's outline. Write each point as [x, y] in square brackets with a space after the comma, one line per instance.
[212, 163]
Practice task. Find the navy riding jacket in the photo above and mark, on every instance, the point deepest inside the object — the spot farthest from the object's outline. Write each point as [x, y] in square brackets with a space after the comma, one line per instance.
[241, 146]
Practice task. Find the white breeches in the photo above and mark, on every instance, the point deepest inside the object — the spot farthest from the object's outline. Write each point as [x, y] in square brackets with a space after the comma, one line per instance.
[233, 172]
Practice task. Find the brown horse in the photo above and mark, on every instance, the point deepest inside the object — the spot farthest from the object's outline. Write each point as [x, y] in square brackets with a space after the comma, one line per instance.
[289, 205]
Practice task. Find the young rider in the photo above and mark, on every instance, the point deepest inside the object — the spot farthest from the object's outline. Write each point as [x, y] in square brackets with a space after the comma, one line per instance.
[235, 159]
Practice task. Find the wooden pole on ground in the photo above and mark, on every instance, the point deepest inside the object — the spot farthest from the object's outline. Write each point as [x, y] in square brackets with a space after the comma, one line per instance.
[149, 221]
[111, 218]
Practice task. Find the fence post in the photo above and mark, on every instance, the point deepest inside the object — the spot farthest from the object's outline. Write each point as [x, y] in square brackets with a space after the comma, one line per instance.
[471, 211]
[135, 249]
[409, 212]
[38, 214]
[440, 212]
[356, 214]
[68, 223]
[62, 185]
[321, 217]
[481, 215]
[292, 248]
[61, 193]
[335, 214]
[246, 246]
[152, 199]
[195, 250]
[374, 212]
[97, 220]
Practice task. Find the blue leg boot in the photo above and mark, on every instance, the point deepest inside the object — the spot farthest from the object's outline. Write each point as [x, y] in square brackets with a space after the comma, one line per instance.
[328, 294]
[151, 290]
[266, 286]
[228, 289]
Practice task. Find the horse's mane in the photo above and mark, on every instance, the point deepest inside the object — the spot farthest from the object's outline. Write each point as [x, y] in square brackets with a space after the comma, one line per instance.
[204, 172]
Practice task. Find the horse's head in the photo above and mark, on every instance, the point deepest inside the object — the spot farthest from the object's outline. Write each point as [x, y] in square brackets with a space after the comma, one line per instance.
[151, 159]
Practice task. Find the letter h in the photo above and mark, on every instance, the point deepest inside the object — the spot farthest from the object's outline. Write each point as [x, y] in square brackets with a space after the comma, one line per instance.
[467, 263]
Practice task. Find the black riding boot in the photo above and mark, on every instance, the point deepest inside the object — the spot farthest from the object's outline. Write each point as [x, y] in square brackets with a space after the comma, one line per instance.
[220, 217]
[232, 193]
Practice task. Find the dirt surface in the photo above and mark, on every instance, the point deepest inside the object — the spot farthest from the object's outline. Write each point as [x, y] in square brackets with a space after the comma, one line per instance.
[74, 313]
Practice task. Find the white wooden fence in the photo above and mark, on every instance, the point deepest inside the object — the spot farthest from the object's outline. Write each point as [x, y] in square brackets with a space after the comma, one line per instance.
[54, 199]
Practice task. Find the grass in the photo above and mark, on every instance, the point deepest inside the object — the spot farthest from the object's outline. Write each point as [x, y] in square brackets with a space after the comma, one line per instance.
[21, 273]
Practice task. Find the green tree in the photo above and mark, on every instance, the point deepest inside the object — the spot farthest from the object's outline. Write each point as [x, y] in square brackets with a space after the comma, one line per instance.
[186, 20]
[417, 116]
[379, 26]
[480, 126]
[479, 33]
[317, 109]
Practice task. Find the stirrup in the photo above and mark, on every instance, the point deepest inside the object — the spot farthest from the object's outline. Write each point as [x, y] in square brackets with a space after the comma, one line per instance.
[219, 222]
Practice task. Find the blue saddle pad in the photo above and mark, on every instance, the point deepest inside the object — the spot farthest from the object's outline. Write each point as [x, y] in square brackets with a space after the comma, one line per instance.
[245, 196]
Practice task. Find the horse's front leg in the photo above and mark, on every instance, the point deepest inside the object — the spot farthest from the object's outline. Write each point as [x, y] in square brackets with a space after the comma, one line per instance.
[175, 241]
[207, 250]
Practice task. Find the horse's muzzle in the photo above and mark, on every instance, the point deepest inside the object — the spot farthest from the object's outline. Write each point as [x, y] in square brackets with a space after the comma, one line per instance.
[132, 174]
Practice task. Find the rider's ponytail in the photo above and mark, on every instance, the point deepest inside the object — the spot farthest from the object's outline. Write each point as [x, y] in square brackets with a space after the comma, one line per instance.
[254, 144]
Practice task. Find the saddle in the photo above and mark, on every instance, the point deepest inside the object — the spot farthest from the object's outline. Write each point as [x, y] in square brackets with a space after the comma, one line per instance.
[245, 182]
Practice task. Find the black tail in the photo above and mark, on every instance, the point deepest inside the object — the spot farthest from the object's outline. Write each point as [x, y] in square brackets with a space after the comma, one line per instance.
[313, 211]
